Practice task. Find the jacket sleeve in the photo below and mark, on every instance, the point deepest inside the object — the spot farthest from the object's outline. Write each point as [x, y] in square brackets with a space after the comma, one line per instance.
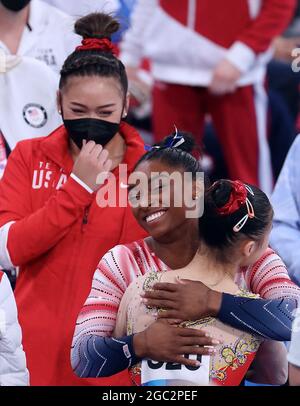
[13, 371]
[26, 234]
[285, 236]
[274, 17]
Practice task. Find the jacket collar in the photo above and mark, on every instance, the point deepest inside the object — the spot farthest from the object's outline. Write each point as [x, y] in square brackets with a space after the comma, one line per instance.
[56, 147]
[38, 17]
[135, 146]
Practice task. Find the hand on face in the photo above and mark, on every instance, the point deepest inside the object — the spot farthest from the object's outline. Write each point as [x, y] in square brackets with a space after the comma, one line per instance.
[165, 342]
[92, 165]
[186, 300]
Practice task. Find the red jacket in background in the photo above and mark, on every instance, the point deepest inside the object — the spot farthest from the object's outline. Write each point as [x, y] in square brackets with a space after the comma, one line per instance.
[57, 247]
[186, 39]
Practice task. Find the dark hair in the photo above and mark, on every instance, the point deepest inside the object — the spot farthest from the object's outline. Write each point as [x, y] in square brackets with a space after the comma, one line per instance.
[92, 62]
[216, 230]
[175, 156]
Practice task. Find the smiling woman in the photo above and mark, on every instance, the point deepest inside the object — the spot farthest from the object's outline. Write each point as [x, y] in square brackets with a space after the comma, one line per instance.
[223, 250]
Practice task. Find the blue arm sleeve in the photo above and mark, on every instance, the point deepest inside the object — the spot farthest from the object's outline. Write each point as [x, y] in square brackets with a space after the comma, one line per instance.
[97, 356]
[270, 319]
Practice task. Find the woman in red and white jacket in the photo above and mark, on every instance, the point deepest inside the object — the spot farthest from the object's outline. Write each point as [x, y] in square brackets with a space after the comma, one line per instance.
[13, 371]
[51, 225]
[209, 57]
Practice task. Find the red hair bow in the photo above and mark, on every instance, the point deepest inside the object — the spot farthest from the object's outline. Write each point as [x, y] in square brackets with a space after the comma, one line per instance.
[237, 199]
[100, 44]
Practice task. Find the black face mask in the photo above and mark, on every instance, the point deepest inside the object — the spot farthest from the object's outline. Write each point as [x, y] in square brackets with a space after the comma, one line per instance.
[91, 129]
[15, 5]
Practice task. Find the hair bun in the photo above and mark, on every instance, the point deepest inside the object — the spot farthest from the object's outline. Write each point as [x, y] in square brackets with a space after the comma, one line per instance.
[221, 192]
[96, 25]
[188, 145]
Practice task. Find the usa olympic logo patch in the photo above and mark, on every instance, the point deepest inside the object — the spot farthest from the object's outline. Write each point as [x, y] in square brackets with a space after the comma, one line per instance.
[35, 115]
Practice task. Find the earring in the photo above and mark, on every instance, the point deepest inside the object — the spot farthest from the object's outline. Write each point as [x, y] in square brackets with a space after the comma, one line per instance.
[59, 112]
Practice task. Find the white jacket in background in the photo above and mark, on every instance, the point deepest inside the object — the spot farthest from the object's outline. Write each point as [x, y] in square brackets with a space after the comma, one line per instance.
[28, 100]
[13, 371]
[49, 35]
[83, 7]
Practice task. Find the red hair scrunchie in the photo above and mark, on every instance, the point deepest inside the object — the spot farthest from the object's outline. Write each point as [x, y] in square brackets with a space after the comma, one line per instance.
[100, 44]
[238, 197]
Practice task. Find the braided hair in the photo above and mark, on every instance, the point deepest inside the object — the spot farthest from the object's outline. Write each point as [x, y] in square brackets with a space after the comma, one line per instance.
[91, 62]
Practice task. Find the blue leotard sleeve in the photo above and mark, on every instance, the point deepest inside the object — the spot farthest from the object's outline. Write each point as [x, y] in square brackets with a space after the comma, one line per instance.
[270, 319]
[97, 356]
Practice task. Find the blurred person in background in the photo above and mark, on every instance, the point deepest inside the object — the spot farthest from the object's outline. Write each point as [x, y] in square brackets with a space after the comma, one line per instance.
[27, 107]
[13, 371]
[294, 353]
[82, 7]
[205, 61]
[285, 236]
[121, 9]
[36, 29]
[281, 78]
[31, 29]
[283, 91]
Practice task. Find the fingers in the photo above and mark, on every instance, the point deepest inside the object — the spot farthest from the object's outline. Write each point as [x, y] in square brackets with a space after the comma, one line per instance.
[220, 88]
[200, 341]
[169, 287]
[97, 151]
[169, 314]
[186, 281]
[201, 350]
[107, 165]
[157, 295]
[180, 359]
[182, 281]
[164, 304]
[191, 332]
[102, 157]
[88, 147]
[174, 322]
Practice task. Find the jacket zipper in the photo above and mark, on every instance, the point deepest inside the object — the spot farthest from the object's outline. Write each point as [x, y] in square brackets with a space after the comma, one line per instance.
[191, 18]
[85, 218]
